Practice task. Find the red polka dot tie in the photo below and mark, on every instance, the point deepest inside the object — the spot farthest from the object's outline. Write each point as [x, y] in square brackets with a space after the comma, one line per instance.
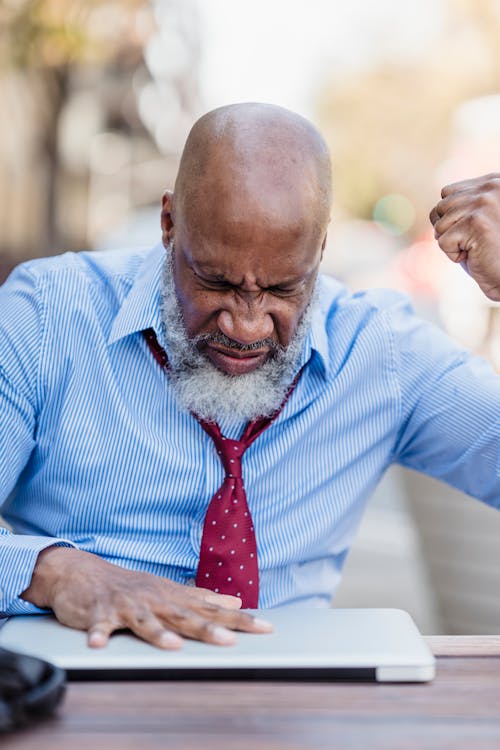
[228, 553]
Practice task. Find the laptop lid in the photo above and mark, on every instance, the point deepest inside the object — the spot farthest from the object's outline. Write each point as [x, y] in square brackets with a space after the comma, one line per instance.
[307, 644]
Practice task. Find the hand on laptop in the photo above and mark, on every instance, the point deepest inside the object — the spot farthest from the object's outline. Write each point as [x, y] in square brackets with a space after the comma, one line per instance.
[467, 226]
[88, 593]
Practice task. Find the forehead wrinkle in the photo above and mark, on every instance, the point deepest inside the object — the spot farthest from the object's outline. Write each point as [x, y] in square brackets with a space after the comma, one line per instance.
[250, 278]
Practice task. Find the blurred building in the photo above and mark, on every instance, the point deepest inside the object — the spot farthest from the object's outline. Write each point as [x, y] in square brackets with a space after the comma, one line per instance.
[98, 102]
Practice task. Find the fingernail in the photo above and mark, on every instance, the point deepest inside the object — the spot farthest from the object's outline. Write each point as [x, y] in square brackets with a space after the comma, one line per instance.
[170, 640]
[263, 624]
[222, 635]
[96, 639]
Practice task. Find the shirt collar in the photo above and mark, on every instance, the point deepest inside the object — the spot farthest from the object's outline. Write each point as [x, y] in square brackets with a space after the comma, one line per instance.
[318, 339]
[141, 308]
[316, 342]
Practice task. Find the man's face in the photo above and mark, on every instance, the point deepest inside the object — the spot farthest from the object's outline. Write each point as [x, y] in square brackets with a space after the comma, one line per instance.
[243, 281]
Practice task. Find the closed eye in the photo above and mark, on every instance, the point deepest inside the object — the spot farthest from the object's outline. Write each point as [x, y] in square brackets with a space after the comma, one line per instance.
[283, 291]
[216, 283]
[221, 284]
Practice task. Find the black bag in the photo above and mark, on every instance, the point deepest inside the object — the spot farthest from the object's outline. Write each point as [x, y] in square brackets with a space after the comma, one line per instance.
[30, 689]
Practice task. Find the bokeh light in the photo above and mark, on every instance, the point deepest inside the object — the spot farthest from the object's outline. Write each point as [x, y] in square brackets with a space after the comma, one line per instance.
[394, 213]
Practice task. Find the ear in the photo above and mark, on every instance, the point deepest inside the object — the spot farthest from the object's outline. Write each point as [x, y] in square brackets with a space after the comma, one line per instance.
[167, 217]
[323, 245]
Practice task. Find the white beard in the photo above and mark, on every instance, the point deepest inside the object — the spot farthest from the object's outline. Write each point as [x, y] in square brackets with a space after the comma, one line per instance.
[212, 394]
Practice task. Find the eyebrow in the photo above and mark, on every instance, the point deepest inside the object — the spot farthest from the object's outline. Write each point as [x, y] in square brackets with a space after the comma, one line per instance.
[206, 271]
[203, 270]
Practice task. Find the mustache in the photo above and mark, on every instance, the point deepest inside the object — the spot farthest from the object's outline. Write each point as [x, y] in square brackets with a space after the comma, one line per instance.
[221, 338]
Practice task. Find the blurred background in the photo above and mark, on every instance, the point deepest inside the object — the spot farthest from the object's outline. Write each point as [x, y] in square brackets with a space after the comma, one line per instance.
[97, 99]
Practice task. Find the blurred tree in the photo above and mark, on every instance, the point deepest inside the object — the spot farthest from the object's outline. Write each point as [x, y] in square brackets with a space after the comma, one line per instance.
[42, 42]
[389, 127]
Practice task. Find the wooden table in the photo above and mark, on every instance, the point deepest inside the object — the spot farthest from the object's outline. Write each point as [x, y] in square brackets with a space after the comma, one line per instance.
[460, 709]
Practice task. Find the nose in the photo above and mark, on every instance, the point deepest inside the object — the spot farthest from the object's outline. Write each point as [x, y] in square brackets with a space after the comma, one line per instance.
[246, 321]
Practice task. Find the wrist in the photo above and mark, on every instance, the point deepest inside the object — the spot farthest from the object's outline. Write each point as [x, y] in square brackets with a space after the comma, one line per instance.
[50, 563]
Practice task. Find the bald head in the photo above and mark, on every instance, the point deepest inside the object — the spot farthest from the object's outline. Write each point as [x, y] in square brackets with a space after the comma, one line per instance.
[260, 156]
[245, 231]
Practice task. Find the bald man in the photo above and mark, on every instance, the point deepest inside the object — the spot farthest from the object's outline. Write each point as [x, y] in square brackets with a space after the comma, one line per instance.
[194, 430]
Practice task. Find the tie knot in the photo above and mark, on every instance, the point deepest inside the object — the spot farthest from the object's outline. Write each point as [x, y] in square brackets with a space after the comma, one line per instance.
[230, 452]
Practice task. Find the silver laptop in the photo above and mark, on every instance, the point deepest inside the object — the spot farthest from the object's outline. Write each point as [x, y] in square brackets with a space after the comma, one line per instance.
[383, 645]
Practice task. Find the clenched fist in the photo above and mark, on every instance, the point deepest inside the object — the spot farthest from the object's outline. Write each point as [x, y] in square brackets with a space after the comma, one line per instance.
[467, 227]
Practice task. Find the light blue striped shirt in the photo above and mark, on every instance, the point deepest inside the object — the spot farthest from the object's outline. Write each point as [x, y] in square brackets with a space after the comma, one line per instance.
[96, 453]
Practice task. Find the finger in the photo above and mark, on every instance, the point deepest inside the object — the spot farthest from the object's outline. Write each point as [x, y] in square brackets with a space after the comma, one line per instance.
[452, 203]
[461, 206]
[104, 620]
[470, 184]
[454, 243]
[99, 632]
[221, 600]
[451, 217]
[149, 628]
[466, 201]
[457, 188]
[188, 623]
[483, 182]
[236, 620]
[201, 594]
[434, 216]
